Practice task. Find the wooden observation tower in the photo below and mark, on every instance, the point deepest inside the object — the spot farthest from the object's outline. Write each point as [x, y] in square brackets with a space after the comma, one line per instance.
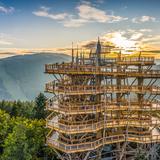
[103, 107]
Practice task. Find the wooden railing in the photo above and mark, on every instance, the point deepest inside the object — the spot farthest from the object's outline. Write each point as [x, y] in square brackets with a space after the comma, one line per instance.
[91, 89]
[144, 139]
[73, 108]
[80, 147]
[69, 68]
[72, 148]
[95, 126]
[136, 60]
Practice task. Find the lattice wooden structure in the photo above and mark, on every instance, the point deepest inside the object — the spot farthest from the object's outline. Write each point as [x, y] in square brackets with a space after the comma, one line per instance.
[103, 107]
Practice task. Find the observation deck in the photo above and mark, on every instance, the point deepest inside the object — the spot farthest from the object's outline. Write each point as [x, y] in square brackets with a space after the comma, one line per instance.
[52, 140]
[69, 108]
[69, 89]
[101, 124]
[73, 69]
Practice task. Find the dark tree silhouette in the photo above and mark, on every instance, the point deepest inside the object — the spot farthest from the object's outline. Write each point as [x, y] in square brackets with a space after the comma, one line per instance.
[40, 101]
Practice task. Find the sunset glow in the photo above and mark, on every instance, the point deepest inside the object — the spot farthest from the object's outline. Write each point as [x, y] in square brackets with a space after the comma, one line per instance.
[52, 26]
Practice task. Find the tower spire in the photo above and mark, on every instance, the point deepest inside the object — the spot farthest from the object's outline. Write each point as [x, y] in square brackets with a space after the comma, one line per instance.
[72, 53]
[98, 52]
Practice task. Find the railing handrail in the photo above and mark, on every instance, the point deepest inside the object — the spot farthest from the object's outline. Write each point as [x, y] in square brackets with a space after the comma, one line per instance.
[101, 124]
[56, 104]
[102, 141]
[69, 88]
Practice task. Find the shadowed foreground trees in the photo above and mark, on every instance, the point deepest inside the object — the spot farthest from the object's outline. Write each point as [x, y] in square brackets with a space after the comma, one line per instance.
[31, 110]
[40, 101]
[22, 131]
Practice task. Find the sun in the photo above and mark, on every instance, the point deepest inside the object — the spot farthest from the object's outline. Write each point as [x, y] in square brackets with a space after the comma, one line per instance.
[120, 41]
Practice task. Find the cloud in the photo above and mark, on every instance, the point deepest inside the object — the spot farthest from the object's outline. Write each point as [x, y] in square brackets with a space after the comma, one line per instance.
[6, 10]
[85, 13]
[4, 42]
[128, 40]
[152, 42]
[43, 12]
[136, 36]
[120, 39]
[124, 40]
[117, 18]
[145, 30]
[143, 19]
[5, 39]
[73, 22]
[152, 39]
[90, 13]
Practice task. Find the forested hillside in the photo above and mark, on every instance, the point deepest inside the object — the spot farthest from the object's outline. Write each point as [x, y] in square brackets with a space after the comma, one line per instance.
[22, 130]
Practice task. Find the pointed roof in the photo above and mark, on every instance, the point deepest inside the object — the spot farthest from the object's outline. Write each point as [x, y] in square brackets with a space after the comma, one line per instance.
[98, 50]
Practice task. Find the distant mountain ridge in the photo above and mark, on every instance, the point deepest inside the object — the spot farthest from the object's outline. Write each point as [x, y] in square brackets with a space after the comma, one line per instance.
[22, 77]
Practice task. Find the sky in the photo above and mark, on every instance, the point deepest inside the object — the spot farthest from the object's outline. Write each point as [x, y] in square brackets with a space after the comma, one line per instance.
[46, 25]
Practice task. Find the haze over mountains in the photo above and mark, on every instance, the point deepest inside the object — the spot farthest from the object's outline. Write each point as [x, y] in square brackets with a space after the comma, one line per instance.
[22, 77]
